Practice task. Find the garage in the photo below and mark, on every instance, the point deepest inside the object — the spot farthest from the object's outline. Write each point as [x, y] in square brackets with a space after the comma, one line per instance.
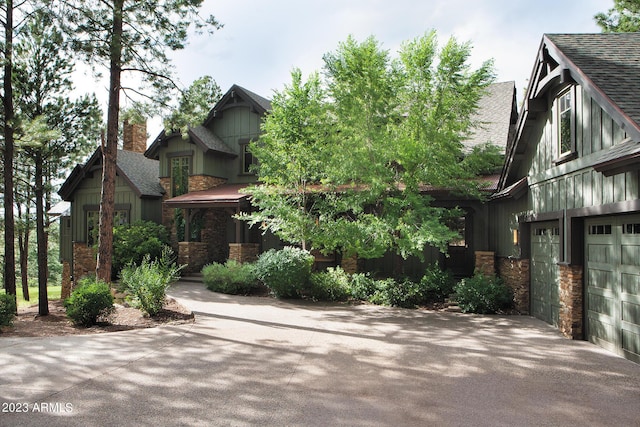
[612, 278]
[545, 250]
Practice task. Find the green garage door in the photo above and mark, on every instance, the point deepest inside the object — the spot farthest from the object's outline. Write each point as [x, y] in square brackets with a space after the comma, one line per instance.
[613, 284]
[545, 249]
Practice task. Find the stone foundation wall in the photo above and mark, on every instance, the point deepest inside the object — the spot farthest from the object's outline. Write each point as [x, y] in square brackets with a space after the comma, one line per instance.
[66, 280]
[244, 252]
[485, 263]
[515, 274]
[571, 291]
[84, 260]
[194, 255]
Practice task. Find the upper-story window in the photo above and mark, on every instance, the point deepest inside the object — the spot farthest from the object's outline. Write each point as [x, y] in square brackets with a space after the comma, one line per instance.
[179, 175]
[247, 158]
[566, 122]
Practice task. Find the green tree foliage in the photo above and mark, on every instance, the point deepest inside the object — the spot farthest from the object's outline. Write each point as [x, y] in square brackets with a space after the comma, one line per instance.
[132, 242]
[128, 37]
[344, 162]
[623, 17]
[194, 106]
[53, 131]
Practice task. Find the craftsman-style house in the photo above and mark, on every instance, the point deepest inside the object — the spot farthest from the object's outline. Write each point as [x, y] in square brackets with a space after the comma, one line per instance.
[565, 221]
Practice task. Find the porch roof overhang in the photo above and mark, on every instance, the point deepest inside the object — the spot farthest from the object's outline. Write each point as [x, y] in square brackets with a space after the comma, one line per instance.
[222, 196]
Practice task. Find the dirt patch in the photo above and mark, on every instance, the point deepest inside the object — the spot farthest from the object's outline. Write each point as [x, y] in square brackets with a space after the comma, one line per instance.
[29, 324]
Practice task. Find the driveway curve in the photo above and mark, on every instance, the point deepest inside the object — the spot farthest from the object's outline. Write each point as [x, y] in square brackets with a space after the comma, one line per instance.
[258, 361]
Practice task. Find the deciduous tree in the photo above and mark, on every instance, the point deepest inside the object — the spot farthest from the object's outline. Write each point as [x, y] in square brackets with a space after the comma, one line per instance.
[347, 160]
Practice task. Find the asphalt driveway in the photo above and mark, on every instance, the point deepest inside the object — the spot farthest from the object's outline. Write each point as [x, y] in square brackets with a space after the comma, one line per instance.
[259, 361]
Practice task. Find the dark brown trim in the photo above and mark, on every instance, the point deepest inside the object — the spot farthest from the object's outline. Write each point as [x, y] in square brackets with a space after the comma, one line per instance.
[629, 206]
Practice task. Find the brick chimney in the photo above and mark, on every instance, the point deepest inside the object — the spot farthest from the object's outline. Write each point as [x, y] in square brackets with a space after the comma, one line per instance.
[134, 137]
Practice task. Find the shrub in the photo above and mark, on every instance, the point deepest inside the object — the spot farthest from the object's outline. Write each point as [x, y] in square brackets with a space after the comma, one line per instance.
[436, 285]
[285, 272]
[148, 282]
[483, 294]
[132, 242]
[7, 309]
[404, 294]
[329, 285]
[89, 301]
[230, 277]
[362, 286]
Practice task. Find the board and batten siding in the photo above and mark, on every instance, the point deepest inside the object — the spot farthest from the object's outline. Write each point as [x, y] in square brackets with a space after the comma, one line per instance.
[555, 187]
[238, 123]
[88, 194]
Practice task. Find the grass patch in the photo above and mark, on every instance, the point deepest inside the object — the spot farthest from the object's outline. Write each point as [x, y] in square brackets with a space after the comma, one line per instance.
[53, 292]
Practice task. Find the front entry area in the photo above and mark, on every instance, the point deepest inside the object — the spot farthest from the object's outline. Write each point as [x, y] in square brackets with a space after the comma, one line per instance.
[612, 278]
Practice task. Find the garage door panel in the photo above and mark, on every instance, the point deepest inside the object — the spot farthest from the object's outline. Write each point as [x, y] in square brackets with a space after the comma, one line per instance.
[545, 249]
[631, 345]
[602, 253]
[631, 255]
[602, 333]
[630, 283]
[612, 252]
[631, 312]
[600, 279]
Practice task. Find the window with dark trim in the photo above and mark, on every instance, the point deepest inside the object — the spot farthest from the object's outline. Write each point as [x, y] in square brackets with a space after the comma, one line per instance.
[179, 169]
[247, 157]
[120, 217]
[566, 122]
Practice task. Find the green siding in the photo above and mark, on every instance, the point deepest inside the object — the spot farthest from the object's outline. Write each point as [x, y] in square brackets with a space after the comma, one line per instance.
[88, 194]
[570, 185]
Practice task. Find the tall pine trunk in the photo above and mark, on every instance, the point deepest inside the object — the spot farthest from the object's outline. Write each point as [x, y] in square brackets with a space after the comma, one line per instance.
[110, 150]
[43, 300]
[9, 221]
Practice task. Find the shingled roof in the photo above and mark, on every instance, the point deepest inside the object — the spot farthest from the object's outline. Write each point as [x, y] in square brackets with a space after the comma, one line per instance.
[140, 172]
[611, 62]
[606, 66]
[496, 116]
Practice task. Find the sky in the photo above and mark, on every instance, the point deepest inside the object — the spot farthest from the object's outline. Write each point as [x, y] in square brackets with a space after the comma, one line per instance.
[262, 41]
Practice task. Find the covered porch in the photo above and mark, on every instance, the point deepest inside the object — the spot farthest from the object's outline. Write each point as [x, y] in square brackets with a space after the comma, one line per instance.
[208, 231]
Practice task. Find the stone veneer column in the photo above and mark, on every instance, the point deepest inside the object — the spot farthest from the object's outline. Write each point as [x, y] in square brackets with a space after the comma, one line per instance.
[485, 263]
[350, 264]
[515, 274]
[571, 290]
[193, 254]
[84, 260]
[66, 280]
[243, 252]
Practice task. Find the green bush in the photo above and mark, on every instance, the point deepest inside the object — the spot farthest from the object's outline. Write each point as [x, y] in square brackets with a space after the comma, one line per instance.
[329, 285]
[91, 300]
[148, 282]
[436, 285]
[230, 277]
[483, 294]
[285, 272]
[7, 309]
[397, 294]
[362, 286]
[132, 242]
